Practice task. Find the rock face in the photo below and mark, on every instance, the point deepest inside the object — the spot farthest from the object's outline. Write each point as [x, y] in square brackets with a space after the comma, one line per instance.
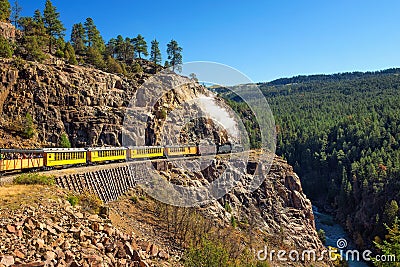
[7, 30]
[87, 104]
[278, 206]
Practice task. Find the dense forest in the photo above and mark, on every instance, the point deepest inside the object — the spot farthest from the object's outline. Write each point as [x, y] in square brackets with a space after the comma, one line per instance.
[341, 133]
[41, 37]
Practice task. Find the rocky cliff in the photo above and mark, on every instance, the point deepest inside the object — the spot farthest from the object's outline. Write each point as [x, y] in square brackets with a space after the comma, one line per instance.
[88, 105]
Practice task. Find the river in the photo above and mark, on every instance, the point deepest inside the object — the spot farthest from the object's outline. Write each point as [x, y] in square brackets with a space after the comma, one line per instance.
[335, 232]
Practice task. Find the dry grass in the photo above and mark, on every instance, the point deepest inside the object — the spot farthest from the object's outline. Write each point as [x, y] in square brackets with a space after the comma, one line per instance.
[17, 196]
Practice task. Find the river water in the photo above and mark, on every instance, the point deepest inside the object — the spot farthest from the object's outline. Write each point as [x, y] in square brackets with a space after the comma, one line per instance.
[335, 232]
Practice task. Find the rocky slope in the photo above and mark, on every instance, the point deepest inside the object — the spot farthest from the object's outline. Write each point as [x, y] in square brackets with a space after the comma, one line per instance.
[47, 231]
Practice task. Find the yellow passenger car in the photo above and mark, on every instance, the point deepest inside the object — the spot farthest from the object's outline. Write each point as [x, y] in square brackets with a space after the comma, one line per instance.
[64, 156]
[186, 150]
[146, 152]
[105, 154]
[20, 159]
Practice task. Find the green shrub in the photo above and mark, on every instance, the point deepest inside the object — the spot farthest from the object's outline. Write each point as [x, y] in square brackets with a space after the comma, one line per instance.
[34, 178]
[6, 50]
[73, 200]
[322, 236]
[136, 68]
[64, 141]
[90, 202]
[143, 198]
[59, 53]
[208, 253]
[228, 207]
[134, 199]
[233, 221]
[29, 129]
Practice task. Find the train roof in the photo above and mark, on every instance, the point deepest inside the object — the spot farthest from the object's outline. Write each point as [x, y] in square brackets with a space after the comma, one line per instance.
[21, 150]
[105, 148]
[186, 145]
[64, 150]
[140, 147]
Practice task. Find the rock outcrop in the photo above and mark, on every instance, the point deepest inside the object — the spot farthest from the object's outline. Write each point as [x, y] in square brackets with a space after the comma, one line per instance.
[7, 30]
[278, 207]
[88, 105]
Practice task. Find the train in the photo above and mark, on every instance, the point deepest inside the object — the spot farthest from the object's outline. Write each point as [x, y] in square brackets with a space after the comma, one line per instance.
[12, 160]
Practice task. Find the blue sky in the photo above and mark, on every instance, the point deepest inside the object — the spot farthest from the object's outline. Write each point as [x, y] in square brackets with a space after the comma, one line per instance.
[263, 39]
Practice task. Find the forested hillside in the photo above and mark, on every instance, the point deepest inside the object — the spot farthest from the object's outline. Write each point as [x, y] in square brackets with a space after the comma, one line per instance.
[41, 37]
[341, 133]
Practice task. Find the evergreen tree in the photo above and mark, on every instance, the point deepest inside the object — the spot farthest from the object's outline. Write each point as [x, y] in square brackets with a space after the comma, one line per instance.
[15, 14]
[78, 38]
[119, 43]
[390, 212]
[140, 46]
[64, 141]
[5, 48]
[124, 48]
[155, 53]
[95, 58]
[69, 54]
[390, 246]
[37, 17]
[29, 129]
[111, 47]
[34, 39]
[5, 10]
[53, 24]
[166, 64]
[174, 52]
[113, 66]
[94, 38]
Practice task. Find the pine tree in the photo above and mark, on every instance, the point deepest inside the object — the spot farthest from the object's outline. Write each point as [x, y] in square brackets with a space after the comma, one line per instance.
[64, 141]
[113, 66]
[54, 26]
[94, 38]
[29, 128]
[111, 47]
[174, 52]
[390, 246]
[5, 10]
[155, 53]
[140, 46]
[16, 11]
[37, 17]
[95, 58]
[78, 38]
[390, 212]
[5, 48]
[34, 39]
[69, 54]
[124, 48]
